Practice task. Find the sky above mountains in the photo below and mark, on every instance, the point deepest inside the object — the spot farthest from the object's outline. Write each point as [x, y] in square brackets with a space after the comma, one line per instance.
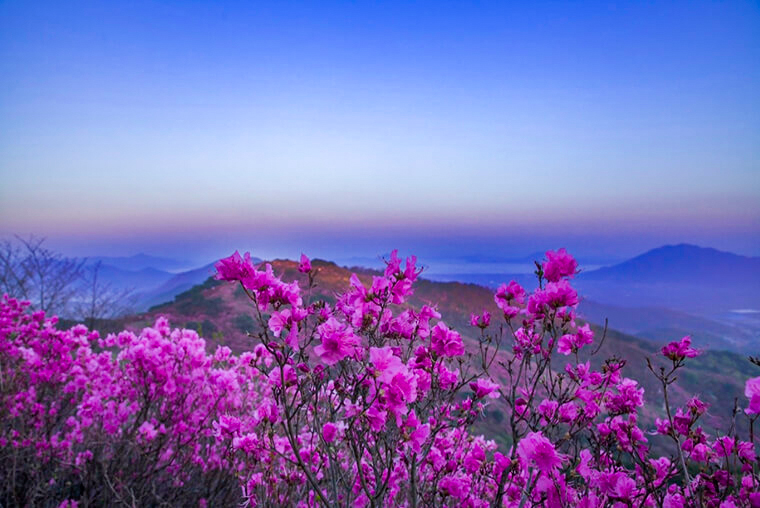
[193, 128]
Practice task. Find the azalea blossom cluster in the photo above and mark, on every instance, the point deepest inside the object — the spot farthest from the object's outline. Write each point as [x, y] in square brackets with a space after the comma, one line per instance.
[365, 401]
[130, 418]
[368, 395]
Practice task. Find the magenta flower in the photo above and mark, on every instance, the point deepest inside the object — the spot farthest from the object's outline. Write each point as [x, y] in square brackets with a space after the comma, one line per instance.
[386, 364]
[680, 350]
[724, 446]
[148, 431]
[625, 488]
[699, 453]
[536, 450]
[234, 268]
[329, 431]
[481, 321]
[583, 468]
[279, 320]
[555, 295]
[419, 433]
[410, 271]
[305, 265]
[566, 344]
[509, 298]
[696, 405]
[752, 391]
[456, 487]
[338, 342]
[571, 343]
[559, 264]
[446, 378]
[673, 500]
[402, 390]
[393, 265]
[485, 387]
[446, 342]
[547, 408]
[628, 397]
[474, 459]
[568, 412]
[376, 418]
[746, 451]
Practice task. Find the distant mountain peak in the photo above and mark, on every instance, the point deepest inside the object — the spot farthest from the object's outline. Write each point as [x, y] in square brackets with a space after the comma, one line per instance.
[682, 263]
[688, 248]
[140, 261]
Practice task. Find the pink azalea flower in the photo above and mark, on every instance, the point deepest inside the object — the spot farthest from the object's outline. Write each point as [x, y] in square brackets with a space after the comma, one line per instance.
[446, 378]
[234, 268]
[148, 431]
[547, 408]
[279, 320]
[376, 418]
[699, 453]
[628, 397]
[559, 264]
[680, 350]
[697, 406]
[393, 265]
[485, 387]
[410, 272]
[565, 344]
[583, 466]
[509, 297]
[568, 412]
[481, 321]
[305, 265]
[673, 500]
[456, 487]
[555, 295]
[418, 437]
[446, 342]
[625, 488]
[724, 446]
[329, 431]
[536, 450]
[401, 391]
[386, 364]
[752, 391]
[474, 459]
[746, 451]
[338, 342]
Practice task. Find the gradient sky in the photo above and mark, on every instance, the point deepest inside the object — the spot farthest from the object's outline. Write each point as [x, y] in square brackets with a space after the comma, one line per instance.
[192, 128]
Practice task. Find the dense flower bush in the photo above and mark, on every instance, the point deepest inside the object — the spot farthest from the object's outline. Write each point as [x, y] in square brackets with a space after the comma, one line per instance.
[367, 402]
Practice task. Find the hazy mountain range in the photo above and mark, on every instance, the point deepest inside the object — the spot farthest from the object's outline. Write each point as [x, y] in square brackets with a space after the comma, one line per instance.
[665, 293]
[140, 262]
[660, 295]
[152, 280]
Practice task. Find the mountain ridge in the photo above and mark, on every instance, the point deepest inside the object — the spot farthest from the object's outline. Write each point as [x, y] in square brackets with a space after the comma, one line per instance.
[139, 261]
[682, 263]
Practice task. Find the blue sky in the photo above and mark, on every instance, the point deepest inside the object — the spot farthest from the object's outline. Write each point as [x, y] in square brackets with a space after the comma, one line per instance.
[196, 127]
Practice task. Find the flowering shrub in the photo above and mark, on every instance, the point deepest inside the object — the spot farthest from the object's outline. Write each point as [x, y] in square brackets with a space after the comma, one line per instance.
[125, 418]
[366, 402]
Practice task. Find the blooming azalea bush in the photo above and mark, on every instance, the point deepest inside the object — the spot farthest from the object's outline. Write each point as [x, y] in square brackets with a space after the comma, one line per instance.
[128, 418]
[369, 401]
